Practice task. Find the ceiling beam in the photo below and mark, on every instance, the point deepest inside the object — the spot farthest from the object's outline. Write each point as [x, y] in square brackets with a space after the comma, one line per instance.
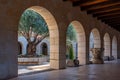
[106, 13]
[107, 18]
[112, 9]
[78, 2]
[115, 26]
[102, 6]
[112, 23]
[84, 3]
[109, 15]
[103, 10]
[92, 2]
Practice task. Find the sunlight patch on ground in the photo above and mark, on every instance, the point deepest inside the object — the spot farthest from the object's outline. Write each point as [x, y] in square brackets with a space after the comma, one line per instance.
[30, 69]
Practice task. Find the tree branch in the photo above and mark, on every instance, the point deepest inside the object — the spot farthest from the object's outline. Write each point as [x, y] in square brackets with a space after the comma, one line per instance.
[35, 37]
[26, 35]
[30, 32]
[41, 38]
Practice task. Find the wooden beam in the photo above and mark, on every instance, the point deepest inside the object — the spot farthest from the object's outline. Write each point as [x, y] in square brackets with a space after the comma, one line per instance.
[115, 23]
[101, 6]
[92, 2]
[106, 13]
[109, 15]
[84, 3]
[104, 10]
[107, 18]
[77, 3]
[112, 21]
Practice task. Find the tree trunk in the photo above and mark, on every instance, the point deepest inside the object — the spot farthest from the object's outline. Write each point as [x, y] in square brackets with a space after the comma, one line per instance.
[31, 49]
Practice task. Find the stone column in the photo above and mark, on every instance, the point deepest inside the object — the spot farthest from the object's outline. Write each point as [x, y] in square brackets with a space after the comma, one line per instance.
[57, 51]
[97, 55]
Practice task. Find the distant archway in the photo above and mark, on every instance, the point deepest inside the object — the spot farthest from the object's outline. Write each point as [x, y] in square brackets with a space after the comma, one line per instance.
[94, 40]
[114, 47]
[97, 40]
[106, 45]
[81, 41]
[44, 49]
[19, 48]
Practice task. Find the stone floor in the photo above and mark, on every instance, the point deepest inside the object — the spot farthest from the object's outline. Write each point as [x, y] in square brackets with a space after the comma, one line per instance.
[108, 71]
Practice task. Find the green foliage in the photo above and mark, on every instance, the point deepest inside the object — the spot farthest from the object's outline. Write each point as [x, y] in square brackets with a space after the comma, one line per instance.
[71, 53]
[71, 37]
[32, 19]
[71, 33]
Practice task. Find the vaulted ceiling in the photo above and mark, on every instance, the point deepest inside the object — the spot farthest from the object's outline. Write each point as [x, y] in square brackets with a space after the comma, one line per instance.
[107, 11]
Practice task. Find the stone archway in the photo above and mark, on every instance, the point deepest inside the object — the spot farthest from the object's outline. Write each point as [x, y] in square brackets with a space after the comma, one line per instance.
[53, 34]
[44, 49]
[106, 45]
[94, 40]
[114, 47]
[81, 41]
[97, 40]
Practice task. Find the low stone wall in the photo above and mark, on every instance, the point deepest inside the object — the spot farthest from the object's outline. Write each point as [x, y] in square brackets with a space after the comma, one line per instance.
[33, 60]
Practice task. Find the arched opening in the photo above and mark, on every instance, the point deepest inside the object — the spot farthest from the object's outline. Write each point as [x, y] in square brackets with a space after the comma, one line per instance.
[106, 45]
[53, 35]
[44, 49]
[114, 47]
[19, 48]
[79, 46]
[94, 41]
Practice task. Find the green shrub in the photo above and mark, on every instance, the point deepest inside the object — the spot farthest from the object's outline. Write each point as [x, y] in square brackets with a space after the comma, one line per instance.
[71, 53]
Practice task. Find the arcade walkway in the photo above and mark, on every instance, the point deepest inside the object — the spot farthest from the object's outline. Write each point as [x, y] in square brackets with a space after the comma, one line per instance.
[108, 71]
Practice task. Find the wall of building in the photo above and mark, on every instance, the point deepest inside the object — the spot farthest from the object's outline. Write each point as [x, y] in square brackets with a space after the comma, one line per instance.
[58, 15]
[24, 43]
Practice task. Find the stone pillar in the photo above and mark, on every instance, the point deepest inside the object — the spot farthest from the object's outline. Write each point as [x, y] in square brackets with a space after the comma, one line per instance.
[97, 55]
[8, 54]
[110, 48]
[58, 52]
[118, 49]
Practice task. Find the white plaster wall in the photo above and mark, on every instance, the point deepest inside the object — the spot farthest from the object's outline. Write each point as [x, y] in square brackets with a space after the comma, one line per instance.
[24, 43]
[39, 47]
